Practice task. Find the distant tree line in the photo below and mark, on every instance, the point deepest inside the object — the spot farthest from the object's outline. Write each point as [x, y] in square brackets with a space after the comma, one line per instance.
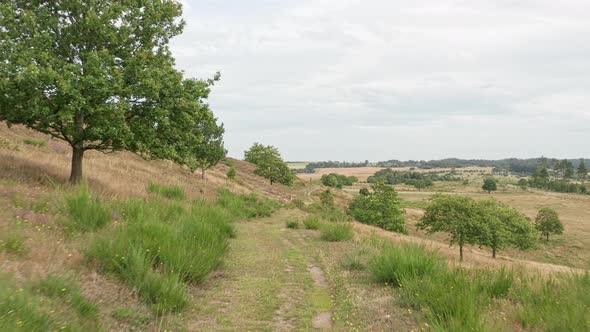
[558, 175]
[337, 180]
[311, 167]
[416, 179]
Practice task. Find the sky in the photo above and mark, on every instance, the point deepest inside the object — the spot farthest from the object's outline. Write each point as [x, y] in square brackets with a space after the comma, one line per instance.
[395, 79]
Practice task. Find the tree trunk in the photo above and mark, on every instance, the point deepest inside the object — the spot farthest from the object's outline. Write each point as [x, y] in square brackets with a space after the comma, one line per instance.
[547, 237]
[77, 158]
[203, 173]
[460, 252]
[493, 252]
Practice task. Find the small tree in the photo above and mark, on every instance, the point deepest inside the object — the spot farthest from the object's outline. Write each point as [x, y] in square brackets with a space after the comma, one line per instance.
[582, 171]
[489, 185]
[547, 222]
[269, 164]
[455, 215]
[327, 199]
[381, 207]
[568, 167]
[209, 150]
[503, 226]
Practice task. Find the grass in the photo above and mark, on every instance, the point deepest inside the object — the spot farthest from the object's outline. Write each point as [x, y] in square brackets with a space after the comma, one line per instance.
[44, 309]
[13, 243]
[292, 224]
[312, 222]
[85, 213]
[167, 191]
[35, 142]
[161, 246]
[337, 231]
[246, 206]
[67, 290]
[398, 263]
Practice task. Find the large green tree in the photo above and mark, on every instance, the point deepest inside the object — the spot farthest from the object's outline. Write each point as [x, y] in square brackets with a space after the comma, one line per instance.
[99, 75]
[269, 163]
[489, 185]
[456, 215]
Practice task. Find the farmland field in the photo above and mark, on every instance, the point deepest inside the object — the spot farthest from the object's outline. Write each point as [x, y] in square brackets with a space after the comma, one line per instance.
[362, 173]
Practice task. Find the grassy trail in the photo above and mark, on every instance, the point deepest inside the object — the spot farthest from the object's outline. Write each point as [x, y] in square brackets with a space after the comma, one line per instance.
[265, 283]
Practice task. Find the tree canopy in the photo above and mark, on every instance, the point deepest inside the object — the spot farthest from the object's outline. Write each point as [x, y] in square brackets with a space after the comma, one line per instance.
[379, 207]
[269, 163]
[547, 222]
[489, 185]
[210, 150]
[337, 180]
[99, 75]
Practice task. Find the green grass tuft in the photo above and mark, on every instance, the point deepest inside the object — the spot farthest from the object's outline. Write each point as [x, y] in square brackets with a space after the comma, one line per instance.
[312, 222]
[337, 231]
[292, 224]
[55, 286]
[170, 192]
[85, 212]
[246, 206]
[13, 243]
[35, 142]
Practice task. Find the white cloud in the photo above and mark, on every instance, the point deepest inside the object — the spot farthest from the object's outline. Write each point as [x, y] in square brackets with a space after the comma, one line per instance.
[328, 79]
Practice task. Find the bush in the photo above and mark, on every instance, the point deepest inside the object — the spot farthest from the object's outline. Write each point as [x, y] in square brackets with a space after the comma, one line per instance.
[379, 208]
[398, 263]
[171, 192]
[35, 142]
[292, 224]
[312, 222]
[231, 173]
[338, 231]
[85, 212]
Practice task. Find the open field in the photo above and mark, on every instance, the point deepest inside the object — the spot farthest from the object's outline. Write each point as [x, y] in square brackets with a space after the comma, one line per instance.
[362, 173]
[297, 164]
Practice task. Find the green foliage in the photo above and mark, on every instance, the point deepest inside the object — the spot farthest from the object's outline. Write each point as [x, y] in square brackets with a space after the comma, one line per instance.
[523, 183]
[97, 78]
[35, 142]
[160, 246]
[231, 173]
[338, 181]
[292, 224]
[489, 185]
[210, 150]
[501, 226]
[312, 222]
[167, 191]
[582, 172]
[398, 263]
[354, 261]
[336, 231]
[269, 164]
[13, 242]
[327, 199]
[381, 208]
[455, 215]
[246, 206]
[85, 213]
[417, 179]
[547, 222]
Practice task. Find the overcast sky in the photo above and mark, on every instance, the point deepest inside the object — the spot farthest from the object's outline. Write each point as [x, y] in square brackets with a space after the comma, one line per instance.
[391, 79]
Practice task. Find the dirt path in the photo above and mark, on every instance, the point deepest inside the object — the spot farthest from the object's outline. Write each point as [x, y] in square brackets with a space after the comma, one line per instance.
[268, 283]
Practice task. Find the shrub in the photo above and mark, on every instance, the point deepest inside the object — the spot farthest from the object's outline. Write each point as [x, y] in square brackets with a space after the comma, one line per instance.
[379, 208]
[398, 263]
[292, 224]
[35, 142]
[338, 231]
[171, 192]
[85, 212]
[298, 203]
[231, 173]
[312, 222]
[353, 262]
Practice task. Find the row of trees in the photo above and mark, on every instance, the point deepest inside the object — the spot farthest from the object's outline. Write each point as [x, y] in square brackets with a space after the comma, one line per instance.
[311, 167]
[561, 181]
[100, 76]
[392, 177]
[269, 164]
[338, 180]
[486, 223]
